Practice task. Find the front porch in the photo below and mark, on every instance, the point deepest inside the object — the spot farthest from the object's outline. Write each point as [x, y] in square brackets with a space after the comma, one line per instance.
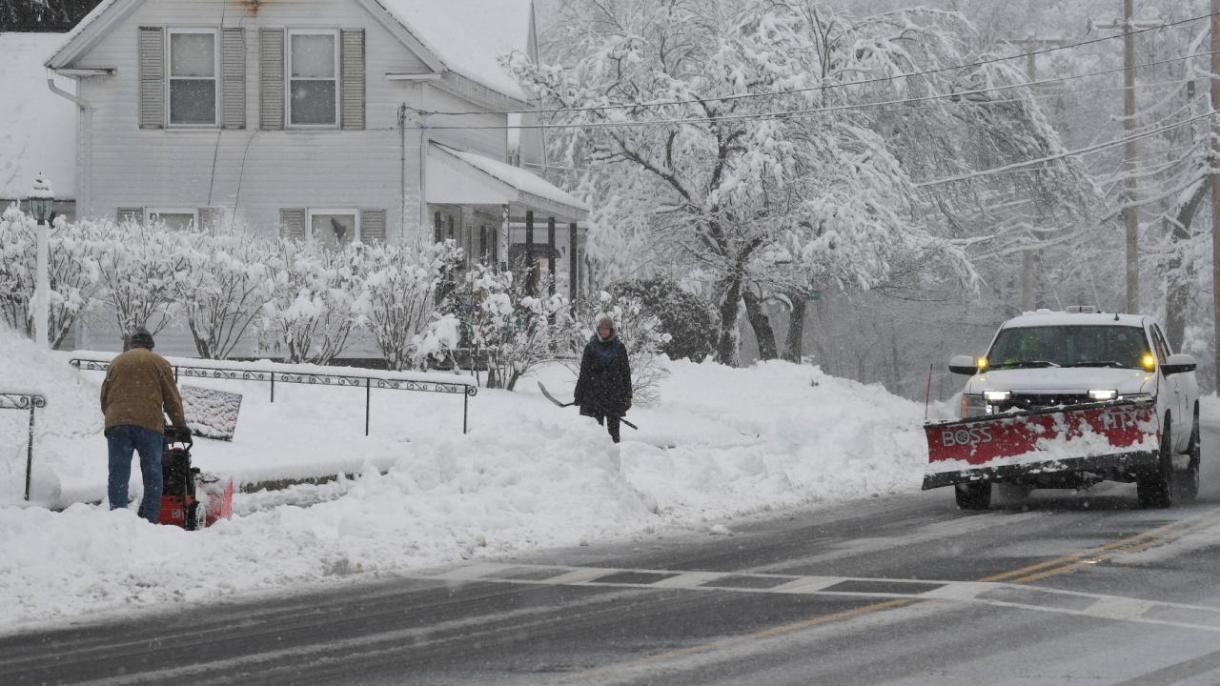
[505, 215]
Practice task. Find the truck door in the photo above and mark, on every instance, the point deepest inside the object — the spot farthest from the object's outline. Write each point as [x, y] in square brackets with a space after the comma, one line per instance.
[1181, 419]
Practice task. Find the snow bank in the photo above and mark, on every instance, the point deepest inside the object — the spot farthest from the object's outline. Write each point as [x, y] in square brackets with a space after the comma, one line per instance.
[529, 474]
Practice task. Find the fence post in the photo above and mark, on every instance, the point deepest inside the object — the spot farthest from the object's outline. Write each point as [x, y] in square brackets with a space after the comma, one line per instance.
[29, 455]
[368, 398]
[465, 408]
[272, 386]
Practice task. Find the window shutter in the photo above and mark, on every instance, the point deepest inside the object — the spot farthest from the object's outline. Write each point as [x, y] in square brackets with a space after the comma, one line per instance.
[152, 77]
[271, 79]
[233, 69]
[130, 214]
[352, 88]
[372, 227]
[210, 218]
[292, 223]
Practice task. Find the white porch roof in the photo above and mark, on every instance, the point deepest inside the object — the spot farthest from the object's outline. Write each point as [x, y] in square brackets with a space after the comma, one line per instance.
[455, 177]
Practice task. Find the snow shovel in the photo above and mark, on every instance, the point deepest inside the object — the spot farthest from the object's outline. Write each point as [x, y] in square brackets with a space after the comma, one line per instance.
[555, 400]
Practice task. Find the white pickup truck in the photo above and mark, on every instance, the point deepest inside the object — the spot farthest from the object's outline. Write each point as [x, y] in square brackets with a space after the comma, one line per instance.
[1066, 400]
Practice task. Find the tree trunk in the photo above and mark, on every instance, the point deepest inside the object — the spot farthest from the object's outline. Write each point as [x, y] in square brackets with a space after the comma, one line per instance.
[1178, 291]
[764, 333]
[729, 340]
[794, 341]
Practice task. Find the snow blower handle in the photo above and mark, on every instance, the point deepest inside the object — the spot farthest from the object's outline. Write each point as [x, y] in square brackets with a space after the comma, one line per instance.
[179, 434]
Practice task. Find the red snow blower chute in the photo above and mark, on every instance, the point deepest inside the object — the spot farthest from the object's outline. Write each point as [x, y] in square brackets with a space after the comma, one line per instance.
[190, 499]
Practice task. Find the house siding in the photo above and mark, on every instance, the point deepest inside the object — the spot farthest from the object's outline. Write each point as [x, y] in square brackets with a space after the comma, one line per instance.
[251, 172]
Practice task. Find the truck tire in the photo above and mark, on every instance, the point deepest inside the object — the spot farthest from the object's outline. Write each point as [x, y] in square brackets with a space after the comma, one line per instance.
[1155, 488]
[1187, 480]
[973, 496]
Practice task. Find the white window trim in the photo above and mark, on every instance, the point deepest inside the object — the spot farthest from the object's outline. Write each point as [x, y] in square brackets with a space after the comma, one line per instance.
[288, 79]
[309, 214]
[169, 71]
[193, 211]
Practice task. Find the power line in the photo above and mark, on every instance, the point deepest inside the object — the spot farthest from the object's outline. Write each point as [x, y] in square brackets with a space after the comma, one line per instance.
[1052, 158]
[802, 112]
[832, 86]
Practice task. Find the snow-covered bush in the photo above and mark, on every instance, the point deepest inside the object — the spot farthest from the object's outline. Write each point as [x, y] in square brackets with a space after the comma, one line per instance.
[71, 269]
[399, 288]
[138, 265]
[689, 320]
[313, 300]
[221, 288]
[502, 325]
[639, 330]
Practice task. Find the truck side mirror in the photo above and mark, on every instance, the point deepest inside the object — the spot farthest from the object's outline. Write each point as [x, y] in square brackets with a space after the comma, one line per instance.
[1178, 364]
[963, 364]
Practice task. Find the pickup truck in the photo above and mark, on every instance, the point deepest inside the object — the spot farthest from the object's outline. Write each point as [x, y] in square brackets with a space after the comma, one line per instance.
[1067, 400]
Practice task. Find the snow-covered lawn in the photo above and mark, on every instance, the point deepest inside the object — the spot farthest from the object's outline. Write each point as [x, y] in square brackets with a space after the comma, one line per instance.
[722, 443]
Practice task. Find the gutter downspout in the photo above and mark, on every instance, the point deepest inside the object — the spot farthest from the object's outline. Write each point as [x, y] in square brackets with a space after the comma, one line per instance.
[84, 147]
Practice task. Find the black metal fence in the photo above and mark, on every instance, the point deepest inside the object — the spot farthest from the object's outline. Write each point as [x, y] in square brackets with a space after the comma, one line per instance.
[467, 389]
[24, 401]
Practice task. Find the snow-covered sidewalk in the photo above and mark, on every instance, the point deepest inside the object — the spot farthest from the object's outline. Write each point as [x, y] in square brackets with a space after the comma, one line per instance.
[723, 442]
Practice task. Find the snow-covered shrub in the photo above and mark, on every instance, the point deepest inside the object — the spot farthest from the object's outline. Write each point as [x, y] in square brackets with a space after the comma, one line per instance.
[71, 269]
[689, 320]
[398, 293]
[138, 266]
[502, 325]
[313, 300]
[221, 288]
[639, 330]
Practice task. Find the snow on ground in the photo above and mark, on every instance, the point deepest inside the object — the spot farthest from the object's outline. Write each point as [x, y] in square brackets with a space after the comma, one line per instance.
[723, 442]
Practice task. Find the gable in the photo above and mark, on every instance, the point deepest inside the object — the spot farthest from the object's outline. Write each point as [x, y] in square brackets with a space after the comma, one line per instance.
[465, 37]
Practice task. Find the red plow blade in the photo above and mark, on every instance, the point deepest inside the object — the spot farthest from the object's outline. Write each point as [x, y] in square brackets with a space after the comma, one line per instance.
[1079, 437]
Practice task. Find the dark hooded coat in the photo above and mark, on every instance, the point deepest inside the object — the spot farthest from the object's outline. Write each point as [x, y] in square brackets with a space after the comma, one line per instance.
[604, 385]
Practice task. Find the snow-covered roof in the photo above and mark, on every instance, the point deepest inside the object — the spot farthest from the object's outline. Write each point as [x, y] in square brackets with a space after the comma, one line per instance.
[470, 36]
[450, 184]
[39, 127]
[1049, 318]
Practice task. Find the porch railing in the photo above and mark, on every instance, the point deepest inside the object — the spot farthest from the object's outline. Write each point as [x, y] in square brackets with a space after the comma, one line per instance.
[10, 400]
[395, 382]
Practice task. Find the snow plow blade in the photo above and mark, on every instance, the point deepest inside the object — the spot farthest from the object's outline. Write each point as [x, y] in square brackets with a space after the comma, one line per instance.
[1112, 437]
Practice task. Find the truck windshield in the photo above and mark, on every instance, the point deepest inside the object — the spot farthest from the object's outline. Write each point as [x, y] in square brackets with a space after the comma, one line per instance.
[1069, 346]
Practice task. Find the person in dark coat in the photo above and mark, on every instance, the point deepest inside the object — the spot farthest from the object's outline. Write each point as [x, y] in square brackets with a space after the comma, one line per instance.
[603, 390]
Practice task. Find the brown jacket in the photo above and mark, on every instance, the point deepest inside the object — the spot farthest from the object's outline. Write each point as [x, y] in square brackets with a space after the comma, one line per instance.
[139, 385]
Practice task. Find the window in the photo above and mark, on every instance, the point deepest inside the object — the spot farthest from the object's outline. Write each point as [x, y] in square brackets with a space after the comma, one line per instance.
[176, 219]
[334, 229]
[1069, 346]
[313, 84]
[192, 77]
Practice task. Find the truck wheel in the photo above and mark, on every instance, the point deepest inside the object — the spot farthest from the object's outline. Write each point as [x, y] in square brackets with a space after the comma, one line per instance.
[1187, 480]
[1155, 489]
[973, 496]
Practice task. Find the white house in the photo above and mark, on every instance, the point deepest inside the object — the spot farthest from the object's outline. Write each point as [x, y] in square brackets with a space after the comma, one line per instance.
[316, 118]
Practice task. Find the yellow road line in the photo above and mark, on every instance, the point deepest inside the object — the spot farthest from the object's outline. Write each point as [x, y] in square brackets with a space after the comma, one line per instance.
[1030, 573]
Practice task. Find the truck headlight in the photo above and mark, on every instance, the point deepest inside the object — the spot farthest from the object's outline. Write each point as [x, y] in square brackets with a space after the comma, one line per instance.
[973, 405]
[997, 396]
[1102, 395]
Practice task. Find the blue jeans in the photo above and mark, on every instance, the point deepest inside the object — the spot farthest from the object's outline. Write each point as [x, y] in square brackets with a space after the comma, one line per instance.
[122, 440]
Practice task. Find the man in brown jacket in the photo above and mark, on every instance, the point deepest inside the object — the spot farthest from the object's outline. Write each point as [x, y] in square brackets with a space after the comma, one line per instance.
[138, 388]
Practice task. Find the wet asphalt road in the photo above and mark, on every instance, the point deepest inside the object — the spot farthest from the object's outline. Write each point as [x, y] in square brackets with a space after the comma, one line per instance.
[1075, 589]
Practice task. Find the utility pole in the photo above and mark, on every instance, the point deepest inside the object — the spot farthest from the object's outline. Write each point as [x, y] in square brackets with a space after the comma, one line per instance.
[1216, 183]
[1131, 212]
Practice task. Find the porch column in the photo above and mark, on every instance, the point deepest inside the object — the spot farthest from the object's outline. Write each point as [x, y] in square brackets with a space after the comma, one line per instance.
[531, 283]
[573, 264]
[550, 255]
[503, 240]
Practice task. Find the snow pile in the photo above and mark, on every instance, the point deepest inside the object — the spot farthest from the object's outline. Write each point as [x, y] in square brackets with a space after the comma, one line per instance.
[529, 474]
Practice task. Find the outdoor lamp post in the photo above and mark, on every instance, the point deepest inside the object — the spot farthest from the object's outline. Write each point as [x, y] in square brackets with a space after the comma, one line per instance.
[42, 206]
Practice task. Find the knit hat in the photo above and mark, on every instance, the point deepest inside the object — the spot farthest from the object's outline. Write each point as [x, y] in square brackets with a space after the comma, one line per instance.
[140, 338]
